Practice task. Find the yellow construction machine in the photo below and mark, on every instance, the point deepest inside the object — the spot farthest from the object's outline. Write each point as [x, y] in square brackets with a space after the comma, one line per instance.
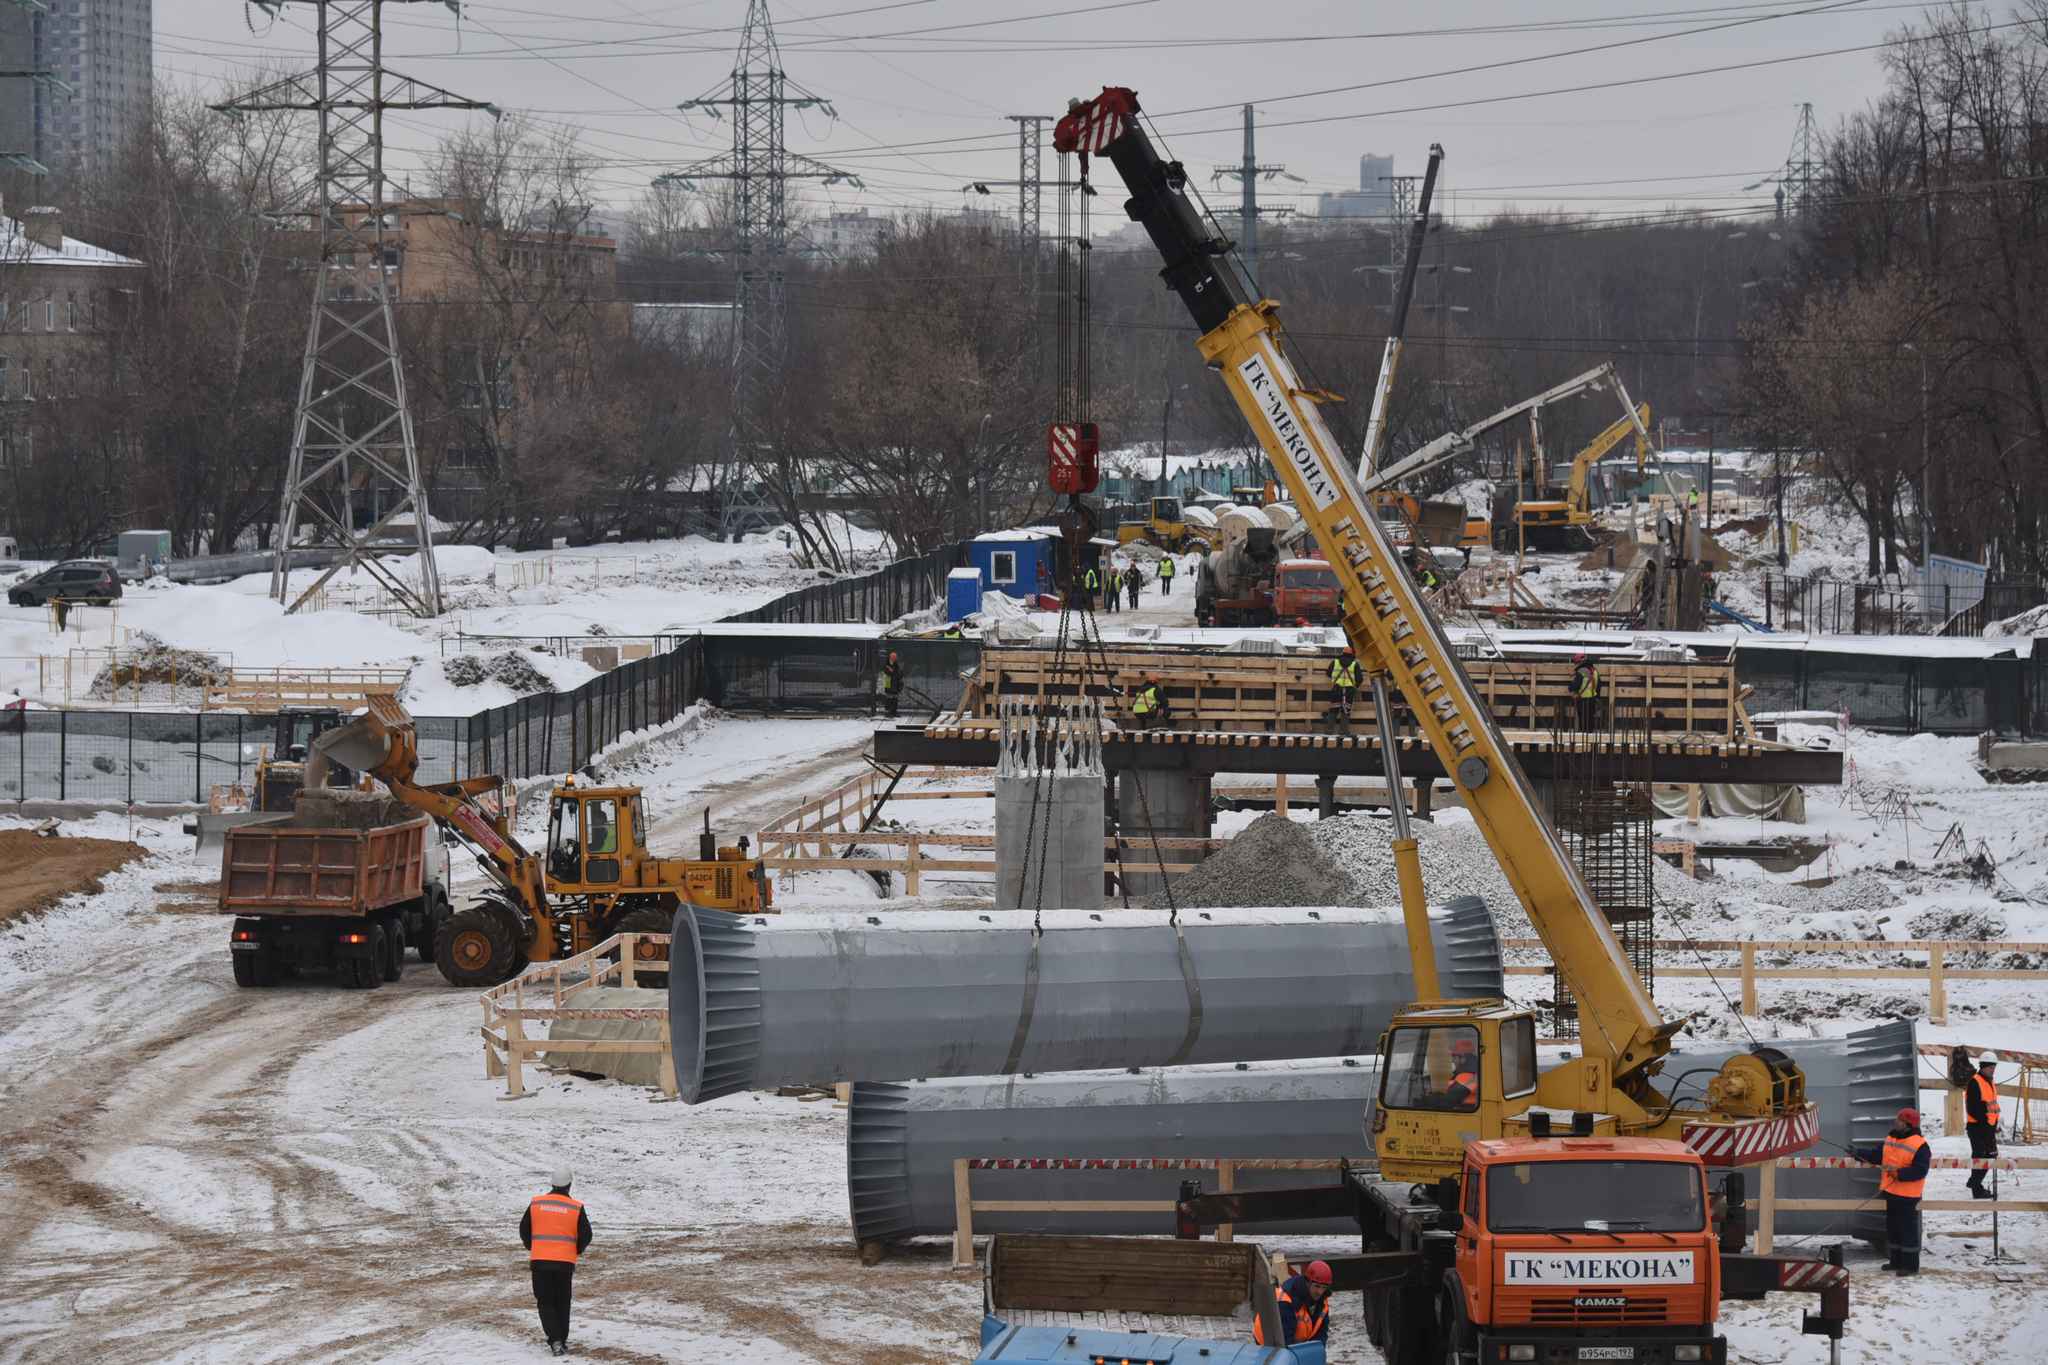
[1548, 522]
[598, 877]
[1755, 1108]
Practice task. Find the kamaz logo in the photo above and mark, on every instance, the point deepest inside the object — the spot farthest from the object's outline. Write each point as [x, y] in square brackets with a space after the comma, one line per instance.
[1599, 1301]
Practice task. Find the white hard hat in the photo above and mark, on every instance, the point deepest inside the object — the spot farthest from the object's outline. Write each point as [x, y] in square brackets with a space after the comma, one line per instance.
[562, 1177]
[1988, 1059]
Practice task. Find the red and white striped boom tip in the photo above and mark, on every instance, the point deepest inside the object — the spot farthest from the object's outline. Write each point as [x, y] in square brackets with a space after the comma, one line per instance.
[1744, 1143]
[1091, 125]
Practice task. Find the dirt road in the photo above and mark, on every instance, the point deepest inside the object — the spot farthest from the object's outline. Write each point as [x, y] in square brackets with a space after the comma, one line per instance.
[305, 1173]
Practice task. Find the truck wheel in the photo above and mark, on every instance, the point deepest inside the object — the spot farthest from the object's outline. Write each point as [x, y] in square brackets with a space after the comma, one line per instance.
[366, 972]
[1410, 1328]
[1460, 1346]
[253, 969]
[647, 919]
[475, 948]
[392, 961]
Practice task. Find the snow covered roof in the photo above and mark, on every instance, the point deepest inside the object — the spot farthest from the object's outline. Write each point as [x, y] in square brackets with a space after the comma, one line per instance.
[1021, 533]
[18, 248]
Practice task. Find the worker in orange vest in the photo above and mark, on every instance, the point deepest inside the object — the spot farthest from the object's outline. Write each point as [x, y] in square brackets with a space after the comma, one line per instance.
[555, 1230]
[1904, 1157]
[1304, 1303]
[1463, 1090]
[1980, 1107]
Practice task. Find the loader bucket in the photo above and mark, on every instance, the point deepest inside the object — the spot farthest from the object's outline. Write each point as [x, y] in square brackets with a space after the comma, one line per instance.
[360, 746]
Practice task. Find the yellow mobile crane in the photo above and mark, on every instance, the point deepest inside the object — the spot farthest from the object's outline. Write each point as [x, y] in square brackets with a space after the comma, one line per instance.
[1756, 1107]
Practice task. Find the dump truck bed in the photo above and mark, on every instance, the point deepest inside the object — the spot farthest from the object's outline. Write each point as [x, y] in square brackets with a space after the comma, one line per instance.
[330, 857]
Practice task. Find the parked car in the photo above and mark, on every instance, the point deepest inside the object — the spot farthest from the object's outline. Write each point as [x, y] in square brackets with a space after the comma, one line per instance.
[76, 580]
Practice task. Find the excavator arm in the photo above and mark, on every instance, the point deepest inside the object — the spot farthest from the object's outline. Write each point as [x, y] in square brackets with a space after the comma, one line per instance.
[1596, 450]
[384, 743]
[1385, 619]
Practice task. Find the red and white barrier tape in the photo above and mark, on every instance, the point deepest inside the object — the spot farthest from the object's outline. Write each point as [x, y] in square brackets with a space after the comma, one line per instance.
[1940, 1163]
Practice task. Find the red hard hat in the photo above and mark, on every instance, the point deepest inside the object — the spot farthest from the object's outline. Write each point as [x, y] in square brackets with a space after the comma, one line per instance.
[1464, 1045]
[1317, 1272]
[1579, 657]
[1910, 1117]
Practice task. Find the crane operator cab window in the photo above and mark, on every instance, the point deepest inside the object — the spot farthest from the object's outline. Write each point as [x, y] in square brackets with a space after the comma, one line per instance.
[1438, 1066]
[601, 832]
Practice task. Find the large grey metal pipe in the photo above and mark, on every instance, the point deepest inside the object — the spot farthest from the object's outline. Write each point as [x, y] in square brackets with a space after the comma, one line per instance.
[791, 1000]
[902, 1139]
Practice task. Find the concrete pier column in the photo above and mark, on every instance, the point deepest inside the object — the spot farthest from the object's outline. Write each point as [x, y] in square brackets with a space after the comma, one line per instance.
[1326, 796]
[1172, 805]
[1049, 808]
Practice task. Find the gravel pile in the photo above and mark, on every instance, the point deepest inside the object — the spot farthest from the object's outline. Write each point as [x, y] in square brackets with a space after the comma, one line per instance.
[1273, 861]
[149, 661]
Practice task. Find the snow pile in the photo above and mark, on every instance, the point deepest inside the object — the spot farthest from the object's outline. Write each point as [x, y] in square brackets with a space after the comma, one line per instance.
[467, 683]
[148, 660]
[1919, 763]
[2028, 623]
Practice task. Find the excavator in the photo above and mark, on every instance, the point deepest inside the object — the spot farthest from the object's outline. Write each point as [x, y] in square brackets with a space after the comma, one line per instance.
[1551, 523]
[597, 879]
[1610, 1092]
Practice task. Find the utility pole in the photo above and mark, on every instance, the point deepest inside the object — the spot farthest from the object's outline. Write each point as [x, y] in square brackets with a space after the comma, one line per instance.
[760, 168]
[1249, 173]
[352, 431]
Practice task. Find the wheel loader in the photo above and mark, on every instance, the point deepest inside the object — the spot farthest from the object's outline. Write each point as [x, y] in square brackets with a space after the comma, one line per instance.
[597, 877]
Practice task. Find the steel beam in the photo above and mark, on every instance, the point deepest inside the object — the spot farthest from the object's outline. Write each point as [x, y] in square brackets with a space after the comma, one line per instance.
[902, 1139]
[767, 1001]
[1343, 756]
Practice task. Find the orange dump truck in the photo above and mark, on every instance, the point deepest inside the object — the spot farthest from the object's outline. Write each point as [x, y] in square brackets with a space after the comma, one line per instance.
[344, 883]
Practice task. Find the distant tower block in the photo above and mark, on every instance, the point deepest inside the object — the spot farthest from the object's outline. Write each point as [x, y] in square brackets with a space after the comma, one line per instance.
[1049, 807]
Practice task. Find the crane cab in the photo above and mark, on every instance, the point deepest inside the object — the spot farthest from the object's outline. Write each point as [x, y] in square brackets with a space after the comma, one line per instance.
[1449, 1074]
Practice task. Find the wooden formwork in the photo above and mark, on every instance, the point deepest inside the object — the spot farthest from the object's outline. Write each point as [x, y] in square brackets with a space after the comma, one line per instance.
[548, 995]
[1292, 692]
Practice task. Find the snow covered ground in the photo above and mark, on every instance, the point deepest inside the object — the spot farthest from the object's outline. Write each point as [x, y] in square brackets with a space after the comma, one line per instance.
[630, 589]
[305, 1174]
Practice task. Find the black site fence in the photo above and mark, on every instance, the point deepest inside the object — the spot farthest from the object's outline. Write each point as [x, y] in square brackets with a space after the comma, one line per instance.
[1885, 691]
[888, 592]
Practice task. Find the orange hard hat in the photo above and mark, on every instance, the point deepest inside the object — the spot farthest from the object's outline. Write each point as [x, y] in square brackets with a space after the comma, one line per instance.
[1464, 1045]
[1318, 1272]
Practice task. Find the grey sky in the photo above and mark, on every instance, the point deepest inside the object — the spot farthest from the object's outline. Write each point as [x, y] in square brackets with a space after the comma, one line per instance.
[939, 75]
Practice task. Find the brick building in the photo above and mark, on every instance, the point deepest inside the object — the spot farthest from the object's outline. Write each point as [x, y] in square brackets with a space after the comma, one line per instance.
[432, 253]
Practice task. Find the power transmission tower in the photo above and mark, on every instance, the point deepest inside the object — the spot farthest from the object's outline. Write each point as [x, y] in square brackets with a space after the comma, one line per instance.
[1249, 173]
[1030, 143]
[1799, 163]
[1401, 190]
[1796, 181]
[352, 432]
[759, 169]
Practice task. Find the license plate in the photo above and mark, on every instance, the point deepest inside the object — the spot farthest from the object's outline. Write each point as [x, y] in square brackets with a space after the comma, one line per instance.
[1607, 1353]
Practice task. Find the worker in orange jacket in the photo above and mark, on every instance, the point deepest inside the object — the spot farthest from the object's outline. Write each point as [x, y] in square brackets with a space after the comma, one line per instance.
[1304, 1304]
[1980, 1107]
[555, 1230]
[1904, 1157]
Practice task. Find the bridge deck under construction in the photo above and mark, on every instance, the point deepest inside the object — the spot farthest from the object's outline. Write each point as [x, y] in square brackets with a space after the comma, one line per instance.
[1670, 757]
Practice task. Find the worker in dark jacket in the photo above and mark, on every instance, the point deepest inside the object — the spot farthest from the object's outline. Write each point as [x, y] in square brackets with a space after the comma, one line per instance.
[1304, 1303]
[555, 1231]
[1904, 1157]
[1980, 1107]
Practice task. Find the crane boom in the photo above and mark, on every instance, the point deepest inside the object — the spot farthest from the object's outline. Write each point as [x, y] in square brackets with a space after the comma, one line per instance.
[1384, 616]
[1397, 328]
[1452, 444]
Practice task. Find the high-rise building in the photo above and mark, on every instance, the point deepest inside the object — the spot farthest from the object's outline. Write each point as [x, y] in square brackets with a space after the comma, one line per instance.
[1373, 198]
[101, 49]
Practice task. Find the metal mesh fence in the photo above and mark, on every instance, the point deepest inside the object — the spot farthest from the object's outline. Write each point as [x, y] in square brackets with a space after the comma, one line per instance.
[887, 593]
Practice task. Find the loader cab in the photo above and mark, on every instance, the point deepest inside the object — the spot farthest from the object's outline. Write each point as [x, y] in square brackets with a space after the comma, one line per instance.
[1448, 1075]
[593, 832]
